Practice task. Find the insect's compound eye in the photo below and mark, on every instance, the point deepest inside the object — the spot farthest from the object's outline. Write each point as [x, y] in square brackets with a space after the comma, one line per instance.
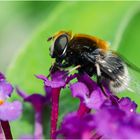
[60, 46]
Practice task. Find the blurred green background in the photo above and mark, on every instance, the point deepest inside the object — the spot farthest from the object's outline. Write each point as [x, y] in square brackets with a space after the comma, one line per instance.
[24, 51]
[18, 22]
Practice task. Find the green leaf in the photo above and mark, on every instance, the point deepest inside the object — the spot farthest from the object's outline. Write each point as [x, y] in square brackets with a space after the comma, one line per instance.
[102, 19]
[130, 44]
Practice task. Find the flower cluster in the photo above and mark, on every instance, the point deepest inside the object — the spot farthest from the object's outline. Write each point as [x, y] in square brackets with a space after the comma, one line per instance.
[99, 115]
[112, 117]
[110, 121]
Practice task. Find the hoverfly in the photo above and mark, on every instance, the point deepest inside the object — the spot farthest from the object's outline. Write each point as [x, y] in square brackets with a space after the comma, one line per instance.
[91, 55]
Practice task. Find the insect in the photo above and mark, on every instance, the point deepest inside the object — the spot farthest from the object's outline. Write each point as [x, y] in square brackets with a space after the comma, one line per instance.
[91, 55]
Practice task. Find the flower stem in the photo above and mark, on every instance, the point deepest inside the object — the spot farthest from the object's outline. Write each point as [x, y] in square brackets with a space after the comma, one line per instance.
[6, 129]
[82, 109]
[38, 133]
[54, 111]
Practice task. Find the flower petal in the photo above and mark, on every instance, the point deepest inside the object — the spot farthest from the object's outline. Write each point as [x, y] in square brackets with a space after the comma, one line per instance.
[59, 76]
[48, 91]
[127, 105]
[36, 100]
[79, 90]
[74, 127]
[115, 123]
[10, 111]
[54, 84]
[96, 99]
[50, 83]
[5, 89]
[86, 79]
[42, 77]
[21, 93]
[107, 121]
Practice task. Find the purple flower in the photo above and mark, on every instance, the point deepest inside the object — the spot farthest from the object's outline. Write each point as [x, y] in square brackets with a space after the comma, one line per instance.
[88, 92]
[115, 122]
[38, 102]
[127, 105]
[112, 118]
[109, 122]
[59, 80]
[8, 110]
[80, 90]
[6, 89]
[74, 127]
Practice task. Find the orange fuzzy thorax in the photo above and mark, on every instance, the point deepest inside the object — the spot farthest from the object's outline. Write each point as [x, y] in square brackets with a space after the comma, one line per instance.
[102, 44]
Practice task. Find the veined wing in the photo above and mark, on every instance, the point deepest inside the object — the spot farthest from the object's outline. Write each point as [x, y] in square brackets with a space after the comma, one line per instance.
[117, 72]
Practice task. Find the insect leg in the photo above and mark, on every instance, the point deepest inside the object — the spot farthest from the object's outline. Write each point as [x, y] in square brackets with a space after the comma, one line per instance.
[75, 68]
[99, 79]
[57, 66]
[64, 65]
[52, 69]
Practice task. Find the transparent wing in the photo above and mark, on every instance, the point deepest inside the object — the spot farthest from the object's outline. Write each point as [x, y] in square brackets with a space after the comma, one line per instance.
[123, 76]
[134, 84]
[134, 74]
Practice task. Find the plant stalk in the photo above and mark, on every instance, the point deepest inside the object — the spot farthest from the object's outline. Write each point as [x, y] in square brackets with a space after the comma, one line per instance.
[54, 111]
[6, 129]
[82, 109]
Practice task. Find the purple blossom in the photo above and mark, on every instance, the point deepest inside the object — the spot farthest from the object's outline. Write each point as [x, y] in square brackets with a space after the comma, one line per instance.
[6, 88]
[74, 127]
[127, 105]
[80, 91]
[116, 112]
[88, 92]
[114, 122]
[38, 102]
[110, 122]
[8, 110]
[111, 118]
[59, 80]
